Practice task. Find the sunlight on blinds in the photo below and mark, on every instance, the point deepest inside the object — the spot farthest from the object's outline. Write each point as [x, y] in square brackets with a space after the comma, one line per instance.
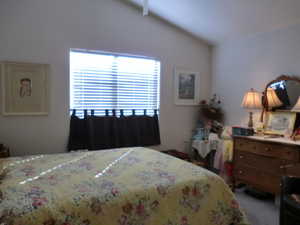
[102, 81]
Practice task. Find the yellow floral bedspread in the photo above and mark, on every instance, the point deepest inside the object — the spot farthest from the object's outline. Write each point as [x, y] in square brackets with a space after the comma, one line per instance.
[129, 186]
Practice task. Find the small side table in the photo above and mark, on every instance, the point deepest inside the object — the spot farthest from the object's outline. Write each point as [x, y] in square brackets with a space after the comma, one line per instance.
[4, 151]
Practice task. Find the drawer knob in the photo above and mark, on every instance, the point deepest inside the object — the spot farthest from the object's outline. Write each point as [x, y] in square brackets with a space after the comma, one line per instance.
[240, 172]
[268, 149]
[241, 157]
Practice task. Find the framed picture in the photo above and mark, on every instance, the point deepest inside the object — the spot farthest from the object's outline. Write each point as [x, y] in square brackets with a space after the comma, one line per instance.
[186, 87]
[281, 123]
[24, 88]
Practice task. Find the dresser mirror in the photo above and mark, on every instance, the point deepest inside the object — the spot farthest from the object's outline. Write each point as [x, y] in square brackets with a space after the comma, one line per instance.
[282, 93]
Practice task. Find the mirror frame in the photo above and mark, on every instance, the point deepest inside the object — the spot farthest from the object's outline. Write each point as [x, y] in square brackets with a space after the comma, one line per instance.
[264, 98]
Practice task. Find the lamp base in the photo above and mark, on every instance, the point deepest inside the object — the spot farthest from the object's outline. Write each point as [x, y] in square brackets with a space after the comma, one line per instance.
[250, 123]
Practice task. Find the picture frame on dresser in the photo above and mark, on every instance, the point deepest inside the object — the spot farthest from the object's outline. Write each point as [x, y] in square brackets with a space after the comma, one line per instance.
[24, 88]
[280, 123]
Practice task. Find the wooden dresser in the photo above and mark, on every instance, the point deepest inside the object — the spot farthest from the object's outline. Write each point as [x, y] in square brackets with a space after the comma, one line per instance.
[258, 161]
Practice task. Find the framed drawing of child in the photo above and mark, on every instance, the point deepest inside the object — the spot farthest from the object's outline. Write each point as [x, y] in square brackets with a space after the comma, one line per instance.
[24, 88]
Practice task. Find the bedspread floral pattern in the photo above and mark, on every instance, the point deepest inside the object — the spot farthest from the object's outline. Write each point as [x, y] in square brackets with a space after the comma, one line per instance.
[129, 186]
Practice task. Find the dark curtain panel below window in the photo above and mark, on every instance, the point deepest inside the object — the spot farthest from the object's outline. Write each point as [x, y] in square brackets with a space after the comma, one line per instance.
[78, 136]
[104, 132]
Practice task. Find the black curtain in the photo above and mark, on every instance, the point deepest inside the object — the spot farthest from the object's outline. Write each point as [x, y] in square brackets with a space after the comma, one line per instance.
[78, 136]
[104, 132]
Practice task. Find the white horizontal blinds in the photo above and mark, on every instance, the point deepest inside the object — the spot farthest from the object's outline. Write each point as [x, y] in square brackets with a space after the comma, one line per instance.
[138, 83]
[108, 81]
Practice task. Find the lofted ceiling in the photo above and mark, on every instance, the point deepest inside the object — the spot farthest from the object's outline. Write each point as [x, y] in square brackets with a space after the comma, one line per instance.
[219, 20]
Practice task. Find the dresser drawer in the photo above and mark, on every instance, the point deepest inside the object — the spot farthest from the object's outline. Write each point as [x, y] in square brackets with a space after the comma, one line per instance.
[244, 144]
[261, 180]
[275, 150]
[263, 163]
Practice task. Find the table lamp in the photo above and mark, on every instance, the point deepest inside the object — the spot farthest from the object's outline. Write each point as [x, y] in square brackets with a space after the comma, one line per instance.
[273, 100]
[251, 101]
[296, 108]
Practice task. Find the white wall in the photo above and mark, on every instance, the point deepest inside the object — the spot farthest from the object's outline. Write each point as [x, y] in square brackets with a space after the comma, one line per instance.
[43, 31]
[251, 63]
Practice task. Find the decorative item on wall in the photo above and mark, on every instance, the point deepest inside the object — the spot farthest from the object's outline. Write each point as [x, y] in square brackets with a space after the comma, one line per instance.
[280, 123]
[24, 88]
[186, 87]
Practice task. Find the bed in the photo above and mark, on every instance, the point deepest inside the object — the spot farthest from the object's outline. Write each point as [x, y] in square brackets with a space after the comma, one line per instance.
[126, 186]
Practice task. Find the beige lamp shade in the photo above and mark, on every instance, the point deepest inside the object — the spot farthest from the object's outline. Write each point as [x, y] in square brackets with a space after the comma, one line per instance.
[252, 100]
[296, 108]
[273, 100]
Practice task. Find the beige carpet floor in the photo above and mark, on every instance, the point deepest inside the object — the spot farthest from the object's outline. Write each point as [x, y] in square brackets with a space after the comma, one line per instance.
[259, 212]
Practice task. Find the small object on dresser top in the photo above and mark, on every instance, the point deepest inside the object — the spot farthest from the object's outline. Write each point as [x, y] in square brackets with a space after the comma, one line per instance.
[273, 136]
[242, 131]
[296, 135]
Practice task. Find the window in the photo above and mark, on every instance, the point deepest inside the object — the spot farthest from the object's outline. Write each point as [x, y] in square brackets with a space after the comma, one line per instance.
[100, 81]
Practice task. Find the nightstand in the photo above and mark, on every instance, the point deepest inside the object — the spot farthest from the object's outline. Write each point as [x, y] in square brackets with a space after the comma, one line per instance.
[4, 151]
